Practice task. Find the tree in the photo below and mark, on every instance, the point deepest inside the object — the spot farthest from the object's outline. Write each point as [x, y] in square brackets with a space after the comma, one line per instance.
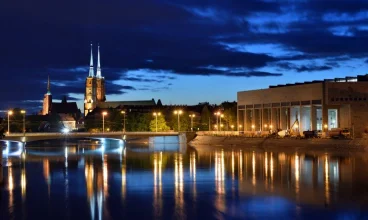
[230, 109]
[136, 121]
[161, 124]
[205, 118]
[184, 122]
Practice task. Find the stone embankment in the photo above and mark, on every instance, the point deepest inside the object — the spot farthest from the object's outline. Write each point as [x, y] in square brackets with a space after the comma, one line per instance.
[206, 141]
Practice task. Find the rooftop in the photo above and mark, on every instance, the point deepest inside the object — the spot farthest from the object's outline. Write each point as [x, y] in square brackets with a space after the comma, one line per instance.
[359, 78]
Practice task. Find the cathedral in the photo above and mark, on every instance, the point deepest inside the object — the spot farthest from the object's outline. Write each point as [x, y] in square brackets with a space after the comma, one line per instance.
[95, 86]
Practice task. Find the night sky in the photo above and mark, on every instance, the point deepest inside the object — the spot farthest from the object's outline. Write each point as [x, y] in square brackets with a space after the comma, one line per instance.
[179, 51]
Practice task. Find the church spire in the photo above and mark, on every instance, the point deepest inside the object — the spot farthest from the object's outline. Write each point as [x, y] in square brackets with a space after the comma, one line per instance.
[48, 85]
[91, 72]
[98, 74]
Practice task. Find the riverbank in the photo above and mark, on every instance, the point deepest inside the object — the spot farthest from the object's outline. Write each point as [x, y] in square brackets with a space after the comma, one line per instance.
[282, 144]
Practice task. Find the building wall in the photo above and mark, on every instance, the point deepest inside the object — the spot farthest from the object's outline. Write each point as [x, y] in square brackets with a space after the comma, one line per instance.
[71, 125]
[359, 118]
[282, 94]
[338, 93]
[100, 90]
[351, 98]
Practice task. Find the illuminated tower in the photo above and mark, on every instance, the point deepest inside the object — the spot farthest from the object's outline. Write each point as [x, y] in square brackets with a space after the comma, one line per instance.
[100, 81]
[47, 99]
[90, 92]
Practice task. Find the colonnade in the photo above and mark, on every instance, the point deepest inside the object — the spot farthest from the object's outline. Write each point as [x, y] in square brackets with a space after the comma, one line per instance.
[271, 117]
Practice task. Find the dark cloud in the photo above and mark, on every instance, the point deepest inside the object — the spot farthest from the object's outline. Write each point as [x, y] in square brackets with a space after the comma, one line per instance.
[163, 39]
[303, 68]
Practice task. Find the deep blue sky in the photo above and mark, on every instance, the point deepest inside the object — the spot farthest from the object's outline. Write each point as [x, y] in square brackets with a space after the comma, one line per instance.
[181, 51]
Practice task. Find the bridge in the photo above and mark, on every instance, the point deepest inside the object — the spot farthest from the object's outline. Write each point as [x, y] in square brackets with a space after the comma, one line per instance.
[29, 137]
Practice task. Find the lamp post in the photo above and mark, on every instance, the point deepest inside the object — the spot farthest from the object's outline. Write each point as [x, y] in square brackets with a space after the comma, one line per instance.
[9, 113]
[103, 121]
[123, 112]
[178, 112]
[253, 126]
[232, 127]
[191, 121]
[156, 114]
[23, 112]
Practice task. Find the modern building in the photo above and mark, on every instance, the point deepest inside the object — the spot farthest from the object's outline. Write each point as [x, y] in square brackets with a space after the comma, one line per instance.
[316, 105]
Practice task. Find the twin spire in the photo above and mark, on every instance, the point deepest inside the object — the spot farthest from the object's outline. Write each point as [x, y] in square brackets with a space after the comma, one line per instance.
[48, 85]
[91, 70]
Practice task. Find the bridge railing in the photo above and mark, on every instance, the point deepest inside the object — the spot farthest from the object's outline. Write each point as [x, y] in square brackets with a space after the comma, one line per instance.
[35, 134]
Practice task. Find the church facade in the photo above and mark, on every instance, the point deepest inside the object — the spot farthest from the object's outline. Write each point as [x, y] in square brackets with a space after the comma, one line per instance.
[95, 86]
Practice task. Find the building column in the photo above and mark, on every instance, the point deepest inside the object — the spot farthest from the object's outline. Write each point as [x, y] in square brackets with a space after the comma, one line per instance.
[253, 119]
[245, 120]
[313, 120]
[324, 117]
[271, 122]
[262, 118]
[280, 119]
[300, 120]
[237, 119]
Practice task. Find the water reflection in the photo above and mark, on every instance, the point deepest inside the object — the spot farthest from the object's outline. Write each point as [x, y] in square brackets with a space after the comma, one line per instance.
[179, 185]
[220, 183]
[157, 184]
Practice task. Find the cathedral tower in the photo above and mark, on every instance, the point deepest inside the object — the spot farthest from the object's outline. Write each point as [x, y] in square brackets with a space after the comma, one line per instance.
[90, 91]
[47, 99]
[100, 81]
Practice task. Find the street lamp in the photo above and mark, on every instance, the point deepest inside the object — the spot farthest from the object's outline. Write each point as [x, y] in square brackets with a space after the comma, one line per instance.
[325, 126]
[9, 113]
[253, 127]
[232, 127]
[23, 112]
[178, 112]
[191, 121]
[156, 114]
[123, 112]
[103, 121]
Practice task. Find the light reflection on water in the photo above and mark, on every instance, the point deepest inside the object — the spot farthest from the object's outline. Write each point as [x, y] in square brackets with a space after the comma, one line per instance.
[222, 183]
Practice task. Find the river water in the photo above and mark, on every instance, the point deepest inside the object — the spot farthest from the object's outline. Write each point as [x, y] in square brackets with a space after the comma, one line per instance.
[107, 180]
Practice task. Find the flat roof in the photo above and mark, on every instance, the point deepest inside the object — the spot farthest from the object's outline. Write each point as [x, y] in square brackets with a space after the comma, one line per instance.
[359, 78]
